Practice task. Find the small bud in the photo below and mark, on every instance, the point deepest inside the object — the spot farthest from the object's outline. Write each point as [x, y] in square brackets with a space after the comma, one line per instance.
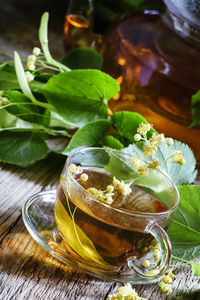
[72, 168]
[169, 141]
[146, 263]
[36, 51]
[78, 170]
[45, 41]
[29, 76]
[1, 93]
[31, 66]
[137, 137]
[110, 188]
[156, 254]
[152, 272]
[84, 177]
[31, 58]
[108, 198]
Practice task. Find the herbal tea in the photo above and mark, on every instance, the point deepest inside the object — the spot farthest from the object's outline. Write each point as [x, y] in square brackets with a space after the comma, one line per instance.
[93, 237]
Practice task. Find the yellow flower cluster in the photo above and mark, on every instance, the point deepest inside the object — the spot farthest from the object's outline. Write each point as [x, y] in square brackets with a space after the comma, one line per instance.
[105, 196]
[165, 284]
[121, 186]
[77, 170]
[150, 148]
[125, 292]
[178, 157]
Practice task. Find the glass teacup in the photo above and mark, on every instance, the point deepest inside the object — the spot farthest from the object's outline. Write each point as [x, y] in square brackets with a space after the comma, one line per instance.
[124, 240]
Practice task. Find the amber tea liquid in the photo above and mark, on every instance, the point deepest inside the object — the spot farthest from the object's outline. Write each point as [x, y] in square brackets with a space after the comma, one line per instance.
[90, 238]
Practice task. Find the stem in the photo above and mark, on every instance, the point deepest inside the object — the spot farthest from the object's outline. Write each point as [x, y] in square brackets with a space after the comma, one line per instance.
[43, 37]
[23, 83]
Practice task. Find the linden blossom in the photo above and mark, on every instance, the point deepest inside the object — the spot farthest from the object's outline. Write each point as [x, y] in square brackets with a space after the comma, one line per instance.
[150, 148]
[125, 292]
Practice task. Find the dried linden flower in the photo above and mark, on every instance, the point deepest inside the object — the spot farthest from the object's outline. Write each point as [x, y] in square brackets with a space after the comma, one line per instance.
[72, 168]
[165, 288]
[84, 177]
[178, 157]
[157, 138]
[146, 263]
[156, 255]
[143, 170]
[154, 165]
[136, 162]
[125, 292]
[110, 188]
[150, 148]
[143, 128]
[123, 187]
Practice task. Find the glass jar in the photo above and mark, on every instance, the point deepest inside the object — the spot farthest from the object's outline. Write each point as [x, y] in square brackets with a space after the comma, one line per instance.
[156, 59]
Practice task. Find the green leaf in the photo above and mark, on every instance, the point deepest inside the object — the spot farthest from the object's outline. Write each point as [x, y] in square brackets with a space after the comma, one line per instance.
[184, 230]
[83, 58]
[127, 123]
[22, 107]
[179, 174]
[196, 109]
[81, 96]
[119, 164]
[196, 269]
[21, 147]
[89, 135]
[6, 119]
[8, 78]
[112, 142]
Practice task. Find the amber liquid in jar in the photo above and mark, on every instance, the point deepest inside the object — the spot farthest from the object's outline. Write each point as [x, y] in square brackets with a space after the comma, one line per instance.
[158, 71]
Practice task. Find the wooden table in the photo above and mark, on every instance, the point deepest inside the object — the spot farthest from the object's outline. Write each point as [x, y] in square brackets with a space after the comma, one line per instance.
[26, 270]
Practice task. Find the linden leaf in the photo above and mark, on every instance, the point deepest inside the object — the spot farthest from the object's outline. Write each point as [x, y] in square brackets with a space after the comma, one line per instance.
[179, 174]
[184, 229]
[81, 96]
[91, 134]
[196, 269]
[127, 124]
[21, 147]
[83, 58]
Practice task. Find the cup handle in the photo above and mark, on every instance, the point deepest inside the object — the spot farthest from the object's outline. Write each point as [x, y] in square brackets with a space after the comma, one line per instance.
[156, 269]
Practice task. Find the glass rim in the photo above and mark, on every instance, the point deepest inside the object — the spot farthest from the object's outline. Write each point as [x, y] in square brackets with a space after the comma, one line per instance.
[114, 208]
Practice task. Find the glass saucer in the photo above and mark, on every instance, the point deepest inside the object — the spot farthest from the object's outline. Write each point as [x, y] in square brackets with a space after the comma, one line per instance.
[38, 217]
